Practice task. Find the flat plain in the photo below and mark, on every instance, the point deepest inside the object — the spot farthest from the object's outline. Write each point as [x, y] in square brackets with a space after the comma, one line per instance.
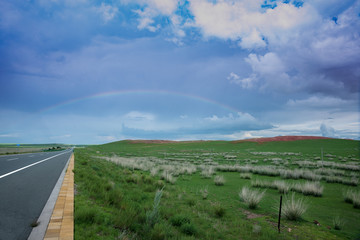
[195, 190]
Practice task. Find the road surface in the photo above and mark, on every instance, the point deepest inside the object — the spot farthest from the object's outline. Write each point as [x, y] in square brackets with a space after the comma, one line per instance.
[26, 182]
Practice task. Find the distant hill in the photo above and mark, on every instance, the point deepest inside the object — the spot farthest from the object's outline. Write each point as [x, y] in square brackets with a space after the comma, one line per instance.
[281, 139]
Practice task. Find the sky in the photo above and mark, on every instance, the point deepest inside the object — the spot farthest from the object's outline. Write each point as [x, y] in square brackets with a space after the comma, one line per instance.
[91, 72]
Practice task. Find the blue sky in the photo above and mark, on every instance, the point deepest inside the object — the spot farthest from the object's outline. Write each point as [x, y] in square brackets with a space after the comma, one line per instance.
[98, 71]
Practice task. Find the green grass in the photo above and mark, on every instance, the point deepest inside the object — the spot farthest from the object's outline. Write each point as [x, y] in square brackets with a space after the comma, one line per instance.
[114, 201]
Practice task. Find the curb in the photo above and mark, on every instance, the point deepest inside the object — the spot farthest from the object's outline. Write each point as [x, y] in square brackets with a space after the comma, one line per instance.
[44, 218]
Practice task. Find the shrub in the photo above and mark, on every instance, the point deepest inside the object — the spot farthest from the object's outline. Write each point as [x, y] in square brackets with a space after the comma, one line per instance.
[219, 180]
[293, 208]
[251, 197]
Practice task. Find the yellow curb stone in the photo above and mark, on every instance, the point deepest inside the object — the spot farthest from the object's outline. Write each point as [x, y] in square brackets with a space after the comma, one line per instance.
[61, 224]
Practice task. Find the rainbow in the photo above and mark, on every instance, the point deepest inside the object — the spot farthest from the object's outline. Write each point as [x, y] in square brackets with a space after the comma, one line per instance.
[131, 92]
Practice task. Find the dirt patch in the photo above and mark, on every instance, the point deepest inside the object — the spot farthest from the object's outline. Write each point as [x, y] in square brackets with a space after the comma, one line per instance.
[280, 139]
[251, 215]
[150, 141]
[166, 141]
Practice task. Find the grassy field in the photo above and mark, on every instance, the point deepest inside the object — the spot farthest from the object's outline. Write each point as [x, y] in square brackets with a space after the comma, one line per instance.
[191, 190]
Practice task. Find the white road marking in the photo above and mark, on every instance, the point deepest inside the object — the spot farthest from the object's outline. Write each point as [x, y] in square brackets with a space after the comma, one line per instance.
[7, 174]
[11, 159]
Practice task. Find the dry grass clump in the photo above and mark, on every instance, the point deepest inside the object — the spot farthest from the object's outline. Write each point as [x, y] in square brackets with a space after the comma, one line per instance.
[261, 184]
[245, 175]
[168, 177]
[204, 192]
[281, 186]
[353, 197]
[338, 223]
[312, 188]
[251, 197]
[207, 172]
[154, 171]
[219, 180]
[292, 208]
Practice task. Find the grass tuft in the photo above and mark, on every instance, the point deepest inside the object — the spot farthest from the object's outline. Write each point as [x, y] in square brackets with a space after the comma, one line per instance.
[204, 192]
[152, 217]
[338, 223]
[293, 208]
[251, 197]
[353, 197]
[219, 180]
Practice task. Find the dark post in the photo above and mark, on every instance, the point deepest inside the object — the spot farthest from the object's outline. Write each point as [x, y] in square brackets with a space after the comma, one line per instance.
[279, 213]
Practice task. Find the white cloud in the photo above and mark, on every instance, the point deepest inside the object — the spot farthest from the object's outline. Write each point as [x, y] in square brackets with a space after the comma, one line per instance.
[252, 40]
[270, 63]
[318, 102]
[237, 20]
[108, 12]
[271, 70]
[327, 131]
[106, 138]
[9, 135]
[61, 137]
[152, 9]
[307, 50]
[139, 116]
[246, 83]
[146, 20]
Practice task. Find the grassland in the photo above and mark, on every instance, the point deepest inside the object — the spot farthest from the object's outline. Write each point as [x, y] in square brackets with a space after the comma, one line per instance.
[117, 190]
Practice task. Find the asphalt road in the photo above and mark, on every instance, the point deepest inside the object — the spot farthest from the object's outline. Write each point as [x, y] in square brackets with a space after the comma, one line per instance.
[26, 182]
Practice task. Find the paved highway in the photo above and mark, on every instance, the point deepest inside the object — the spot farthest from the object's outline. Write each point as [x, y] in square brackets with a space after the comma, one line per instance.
[26, 182]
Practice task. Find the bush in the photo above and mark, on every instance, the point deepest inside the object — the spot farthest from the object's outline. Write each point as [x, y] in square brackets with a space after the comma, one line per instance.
[293, 208]
[251, 197]
[219, 180]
